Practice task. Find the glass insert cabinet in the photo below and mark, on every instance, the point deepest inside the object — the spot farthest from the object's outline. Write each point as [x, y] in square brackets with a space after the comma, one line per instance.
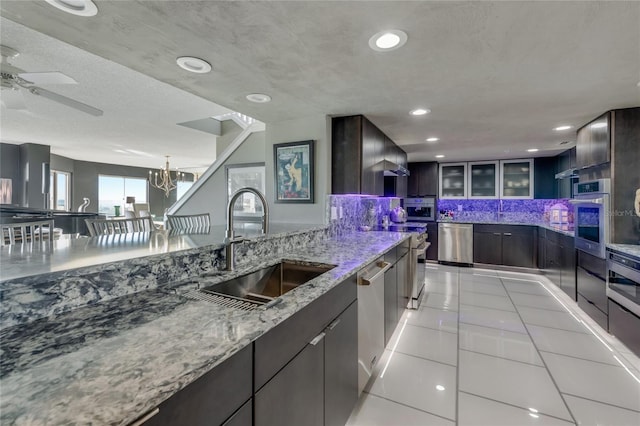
[487, 179]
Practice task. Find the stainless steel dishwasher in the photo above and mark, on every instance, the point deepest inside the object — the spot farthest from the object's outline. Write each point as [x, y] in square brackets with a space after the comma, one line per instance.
[455, 243]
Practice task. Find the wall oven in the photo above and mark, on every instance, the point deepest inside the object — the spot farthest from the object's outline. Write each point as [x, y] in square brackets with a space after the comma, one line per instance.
[421, 209]
[592, 216]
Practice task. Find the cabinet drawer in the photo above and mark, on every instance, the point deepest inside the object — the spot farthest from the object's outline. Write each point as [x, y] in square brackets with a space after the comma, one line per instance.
[391, 256]
[592, 288]
[591, 310]
[625, 326]
[212, 398]
[242, 417]
[280, 344]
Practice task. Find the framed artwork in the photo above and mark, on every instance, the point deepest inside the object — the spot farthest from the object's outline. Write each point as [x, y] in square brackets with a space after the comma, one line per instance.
[294, 171]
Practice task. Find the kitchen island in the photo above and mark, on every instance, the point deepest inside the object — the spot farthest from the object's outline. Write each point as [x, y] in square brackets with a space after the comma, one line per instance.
[111, 362]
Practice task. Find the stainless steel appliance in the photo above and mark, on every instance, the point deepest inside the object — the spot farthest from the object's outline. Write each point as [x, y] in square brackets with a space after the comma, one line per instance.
[623, 281]
[623, 291]
[418, 249]
[455, 243]
[370, 319]
[592, 216]
[398, 215]
[421, 209]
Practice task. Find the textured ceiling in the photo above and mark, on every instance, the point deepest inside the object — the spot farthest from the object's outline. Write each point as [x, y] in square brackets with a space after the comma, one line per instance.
[498, 76]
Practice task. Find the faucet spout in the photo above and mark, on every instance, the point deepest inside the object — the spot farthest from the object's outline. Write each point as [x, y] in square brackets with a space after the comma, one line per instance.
[230, 238]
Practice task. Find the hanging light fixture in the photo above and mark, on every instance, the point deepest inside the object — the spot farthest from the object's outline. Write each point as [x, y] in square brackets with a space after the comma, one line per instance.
[162, 179]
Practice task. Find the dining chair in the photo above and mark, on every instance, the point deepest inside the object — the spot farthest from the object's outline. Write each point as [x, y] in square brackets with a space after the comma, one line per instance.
[119, 226]
[185, 222]
[23, 232]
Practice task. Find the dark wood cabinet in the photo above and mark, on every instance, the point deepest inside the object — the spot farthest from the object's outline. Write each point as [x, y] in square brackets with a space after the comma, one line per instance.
[294, 396]
[591, 287]
[568, 266]
[432, 232]
[341, 367]
[404, 291]
[423, 179]
[212, 398]
[512, 245]
[557, 257]
[566, 161]
[593, 142]
[373, 151]
[624, 324]
[242, 417]
[545, 185]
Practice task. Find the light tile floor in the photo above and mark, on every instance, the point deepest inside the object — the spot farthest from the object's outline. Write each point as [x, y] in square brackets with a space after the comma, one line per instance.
[500, 348]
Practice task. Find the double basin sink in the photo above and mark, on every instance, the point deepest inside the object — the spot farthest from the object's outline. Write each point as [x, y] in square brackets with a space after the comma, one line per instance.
[261, 287]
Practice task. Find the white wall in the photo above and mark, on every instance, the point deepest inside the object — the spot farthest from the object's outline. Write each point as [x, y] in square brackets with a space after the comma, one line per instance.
[211, 197]
[317, 128]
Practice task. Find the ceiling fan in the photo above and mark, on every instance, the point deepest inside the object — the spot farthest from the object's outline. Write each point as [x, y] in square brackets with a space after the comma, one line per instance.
[16, 81]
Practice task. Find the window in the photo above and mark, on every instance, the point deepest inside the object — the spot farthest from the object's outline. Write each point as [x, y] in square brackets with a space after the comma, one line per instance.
[242, 176]
[182, 188]
[113, 191]
[60, 190]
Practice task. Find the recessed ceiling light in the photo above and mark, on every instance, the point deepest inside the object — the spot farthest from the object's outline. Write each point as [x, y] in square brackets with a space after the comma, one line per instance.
[75, 7]
[561, 128]
[599, 125]
[197, 65]
[385, 41]
[440, 387]
[439, 156]
[533, 150]
[433, 139]
[259, 98]
[420, 111]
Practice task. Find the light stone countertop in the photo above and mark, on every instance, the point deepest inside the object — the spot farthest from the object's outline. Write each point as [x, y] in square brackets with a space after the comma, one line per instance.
[628, 249]
[110, 363]
[72, 253]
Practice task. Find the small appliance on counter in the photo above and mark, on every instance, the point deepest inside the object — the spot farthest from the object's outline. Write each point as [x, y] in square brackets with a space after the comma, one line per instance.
[445, 215]
[398, 215]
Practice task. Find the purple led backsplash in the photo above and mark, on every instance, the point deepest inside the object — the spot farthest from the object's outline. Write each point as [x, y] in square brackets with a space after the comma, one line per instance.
[346, 213]
[510, 211]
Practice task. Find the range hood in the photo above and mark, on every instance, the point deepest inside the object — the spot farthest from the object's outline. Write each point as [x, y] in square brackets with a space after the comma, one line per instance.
[392, 169]
[566, 174]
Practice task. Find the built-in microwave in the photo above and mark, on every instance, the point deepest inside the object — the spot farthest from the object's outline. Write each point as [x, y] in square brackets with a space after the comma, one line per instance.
[422, 209]
[592, 216]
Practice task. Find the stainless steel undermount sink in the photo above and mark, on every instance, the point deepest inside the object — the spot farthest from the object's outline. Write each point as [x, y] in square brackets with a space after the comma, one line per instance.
[262, 287]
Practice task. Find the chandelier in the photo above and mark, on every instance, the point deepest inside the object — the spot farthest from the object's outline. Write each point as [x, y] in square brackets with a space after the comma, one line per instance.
[162, 179]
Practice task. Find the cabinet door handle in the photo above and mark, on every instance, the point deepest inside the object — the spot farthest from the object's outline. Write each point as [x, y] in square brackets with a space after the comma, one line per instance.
[508, 234]
[146, 417]
[333, 324]
[317, 339]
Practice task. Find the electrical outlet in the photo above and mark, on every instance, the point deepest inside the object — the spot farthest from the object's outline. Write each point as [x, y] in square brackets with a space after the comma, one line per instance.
[334, 213]
[459, 207]
[340, 212]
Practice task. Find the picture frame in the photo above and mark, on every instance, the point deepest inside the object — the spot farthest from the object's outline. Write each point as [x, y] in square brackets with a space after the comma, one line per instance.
[294, 172]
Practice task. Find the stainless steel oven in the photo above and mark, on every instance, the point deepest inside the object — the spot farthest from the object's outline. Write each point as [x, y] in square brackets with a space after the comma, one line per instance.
[592, 216]
[421, 209]
[623, 281]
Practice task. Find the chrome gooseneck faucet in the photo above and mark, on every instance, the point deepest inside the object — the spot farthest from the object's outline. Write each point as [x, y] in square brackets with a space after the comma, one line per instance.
[230, 238]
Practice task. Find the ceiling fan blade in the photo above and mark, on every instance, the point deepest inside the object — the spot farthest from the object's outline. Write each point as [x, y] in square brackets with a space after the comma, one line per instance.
[54, 77]
[13, 99]
[66, 101]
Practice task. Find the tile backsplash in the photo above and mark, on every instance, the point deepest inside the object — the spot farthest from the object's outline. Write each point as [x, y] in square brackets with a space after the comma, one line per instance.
[346, 213]
[514, 211]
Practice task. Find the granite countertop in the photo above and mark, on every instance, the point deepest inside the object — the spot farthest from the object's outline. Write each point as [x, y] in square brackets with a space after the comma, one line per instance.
[628, 249]
[563, 229]
[109, 363]
[72, 253]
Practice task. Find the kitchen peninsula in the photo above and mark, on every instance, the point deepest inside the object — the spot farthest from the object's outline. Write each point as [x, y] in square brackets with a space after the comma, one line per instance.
[126, 345]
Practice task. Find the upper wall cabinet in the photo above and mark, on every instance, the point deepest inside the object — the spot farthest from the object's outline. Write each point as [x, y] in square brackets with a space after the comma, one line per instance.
[593, 142]
[453, 180]
[357, 151]
[516, 178]
[484, 179]
[423, 180]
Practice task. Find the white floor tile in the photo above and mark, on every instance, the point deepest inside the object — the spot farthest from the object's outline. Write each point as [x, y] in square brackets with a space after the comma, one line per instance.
[536, 301]
[512, 382]
[434, 318]
[431, 344]
[485, 287]
[487, 301]
[375, 411]
[412, 381]
[590, 413]
[444, 287]
[553, 319]
[476, 411]
[440, 301]
[530, 287]
[500, 343]
[504, 320]
[593, 380]
[579, 345]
